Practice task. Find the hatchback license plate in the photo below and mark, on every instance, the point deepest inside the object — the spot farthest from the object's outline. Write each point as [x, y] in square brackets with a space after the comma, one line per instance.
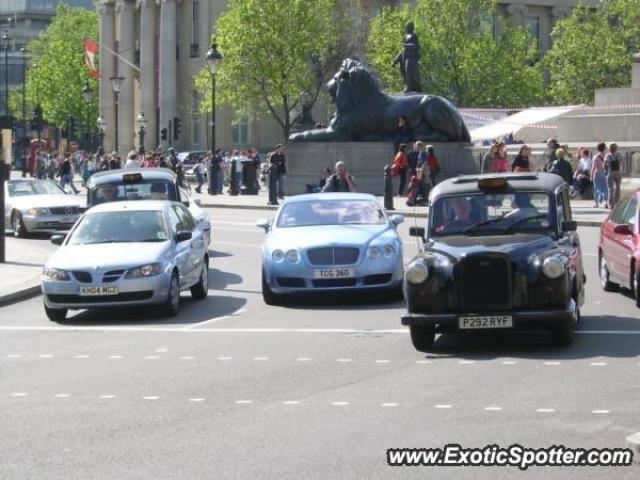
[96, 291]
[485, 321]
[334, 273]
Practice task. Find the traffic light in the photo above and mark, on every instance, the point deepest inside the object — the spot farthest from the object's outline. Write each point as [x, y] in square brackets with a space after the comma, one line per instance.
[163, 134]
[177, 127]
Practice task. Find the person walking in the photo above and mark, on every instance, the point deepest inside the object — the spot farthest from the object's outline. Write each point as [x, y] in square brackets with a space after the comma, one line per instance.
[132, 160]
[489, 159]
[340, 181]
[562, 167]
[600, 190]
[613, 169]
[521, 162]
[433, 164]
[399, 167]
[66, 172]
[279, 160]
[412, 158]
[199, 169]
[552, 148]
[501, 161]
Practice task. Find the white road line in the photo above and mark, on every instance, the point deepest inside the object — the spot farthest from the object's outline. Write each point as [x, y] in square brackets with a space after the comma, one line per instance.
[19, 394]
[423, 362]
[240, 311]
[107, 397]
[212, 320]
[466, 362]
[598, 364]
[443, 407]
[600, 411]
[551, 364]
[509, 362]
[303, 359]
[216, 221]
[225, 359]
[150, 398]
[187, 357]
[493, 409]
[152, 357]
[261, 359]
[62, 395]
[14, 355]
[162, 350]
[545, 410]
[244, 402]
[246, 245]
[389, 404]
[46, 355]
[291, 402]
[343, 360]
[115, 357]
[81, 356]
[339, 404]
[196, 399]
[383, 361]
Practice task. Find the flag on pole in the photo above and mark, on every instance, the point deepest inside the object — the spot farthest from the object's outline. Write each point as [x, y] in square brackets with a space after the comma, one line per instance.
[90, 49]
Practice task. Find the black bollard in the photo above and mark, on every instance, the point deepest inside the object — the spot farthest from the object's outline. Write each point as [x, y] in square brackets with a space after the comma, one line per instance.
[213, 179]
[233, 180]
[248, 179]
[273, 185]
[388, 189]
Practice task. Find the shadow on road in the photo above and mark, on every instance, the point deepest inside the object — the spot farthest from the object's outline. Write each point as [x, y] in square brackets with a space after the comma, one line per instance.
[379, 300]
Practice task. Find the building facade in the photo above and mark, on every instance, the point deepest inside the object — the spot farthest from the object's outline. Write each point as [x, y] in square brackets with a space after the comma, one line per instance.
[162, 44]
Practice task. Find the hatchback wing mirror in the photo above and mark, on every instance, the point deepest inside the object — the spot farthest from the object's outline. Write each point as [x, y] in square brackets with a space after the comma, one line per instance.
[183, 236]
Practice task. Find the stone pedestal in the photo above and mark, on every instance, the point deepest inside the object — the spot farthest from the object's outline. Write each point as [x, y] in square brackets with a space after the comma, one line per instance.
[365, 162]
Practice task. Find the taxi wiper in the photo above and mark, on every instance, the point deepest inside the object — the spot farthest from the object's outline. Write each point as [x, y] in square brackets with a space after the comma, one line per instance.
[525, 219]
[483, 223]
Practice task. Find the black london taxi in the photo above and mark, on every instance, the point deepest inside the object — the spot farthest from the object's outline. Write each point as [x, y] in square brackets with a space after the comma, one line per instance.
[499, 252]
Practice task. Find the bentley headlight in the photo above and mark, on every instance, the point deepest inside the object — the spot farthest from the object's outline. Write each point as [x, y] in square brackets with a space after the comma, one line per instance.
[277, 255]
[145, 271]
[373, 252]
[417, 272]
[388, 251]
[553, 267]
[292, 256]
[55, 274]
[34, 212]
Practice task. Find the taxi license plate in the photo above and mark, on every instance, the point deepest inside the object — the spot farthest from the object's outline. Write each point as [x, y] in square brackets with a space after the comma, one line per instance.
[95, 291]
[334, 273]
[485, 321]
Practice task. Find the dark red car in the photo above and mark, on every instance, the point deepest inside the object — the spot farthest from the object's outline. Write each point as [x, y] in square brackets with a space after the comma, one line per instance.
[619, 249]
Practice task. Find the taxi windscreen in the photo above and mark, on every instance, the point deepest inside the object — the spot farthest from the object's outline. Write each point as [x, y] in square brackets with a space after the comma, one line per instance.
[142, 190]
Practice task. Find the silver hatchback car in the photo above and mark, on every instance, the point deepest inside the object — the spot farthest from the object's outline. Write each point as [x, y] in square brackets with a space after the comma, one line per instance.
[127, 254]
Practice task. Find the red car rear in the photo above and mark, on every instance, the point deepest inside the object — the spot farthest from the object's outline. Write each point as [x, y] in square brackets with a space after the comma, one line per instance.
[619, 249]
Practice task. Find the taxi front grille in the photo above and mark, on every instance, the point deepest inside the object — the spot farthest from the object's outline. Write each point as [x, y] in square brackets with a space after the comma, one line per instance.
[485, 283]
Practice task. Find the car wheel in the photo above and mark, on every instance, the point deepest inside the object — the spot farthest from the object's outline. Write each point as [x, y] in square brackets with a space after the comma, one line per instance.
[268, 295]
[607, 285]
[55, 314]
[17, 225]
[562, 334]
[172, 304]
[422, 337]
[635, 283]
[200, 290]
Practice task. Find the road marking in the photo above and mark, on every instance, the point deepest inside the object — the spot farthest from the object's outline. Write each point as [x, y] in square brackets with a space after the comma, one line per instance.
[339, 404]
[152, 357]
[545, 410]
[14, 355]
[598, 364]
[551, 364]
[212, 320]
[246, 245]
[115, 357]
[162, 350]
[19, 394]
[389, 404]
[509, 362]
[343, 360]
[62, 395]
[150, 398]
[196, 399]
[383, 361]
[45, 355]
[303, 359]
[261, 359]
[466, 362]
[81, 356]
[600, 411]
[244, 402]
[291, 402]
[107, 397]
[423, 362]
[493, 409]
[224, 359]
[187, 357]
[443, 407]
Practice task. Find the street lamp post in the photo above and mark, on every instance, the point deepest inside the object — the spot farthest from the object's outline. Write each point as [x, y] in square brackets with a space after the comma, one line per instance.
[102, 126]
[142, 127]
[87, 93]
[116, 84]
[23, 140]
[213, 59]
[5, 43]
[4, 168]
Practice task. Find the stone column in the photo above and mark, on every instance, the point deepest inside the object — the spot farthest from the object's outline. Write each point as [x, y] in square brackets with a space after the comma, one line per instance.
[107, 62]
[148, 68]
[518, 13]
[635, 71]
[168, 62]
[126, 50]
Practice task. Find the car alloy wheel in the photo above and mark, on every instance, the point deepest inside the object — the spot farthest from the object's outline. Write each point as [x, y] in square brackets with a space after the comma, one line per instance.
[172, 304]
[636, 287]
[607, 285]
[201, 289]
[17, 226]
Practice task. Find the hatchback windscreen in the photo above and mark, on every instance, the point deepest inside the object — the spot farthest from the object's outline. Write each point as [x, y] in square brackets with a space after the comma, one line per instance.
[498, 213]
[120, 227]
[331, 212]
[20, 188]
[143, 190]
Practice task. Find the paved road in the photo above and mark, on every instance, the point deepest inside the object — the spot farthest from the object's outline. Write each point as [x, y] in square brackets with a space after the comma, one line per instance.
[236, 389]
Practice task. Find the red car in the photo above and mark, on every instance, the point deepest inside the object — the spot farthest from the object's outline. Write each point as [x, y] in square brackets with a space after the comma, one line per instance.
[619, 249]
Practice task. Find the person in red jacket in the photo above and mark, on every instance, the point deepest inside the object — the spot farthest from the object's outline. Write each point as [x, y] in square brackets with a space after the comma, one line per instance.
[400, 166]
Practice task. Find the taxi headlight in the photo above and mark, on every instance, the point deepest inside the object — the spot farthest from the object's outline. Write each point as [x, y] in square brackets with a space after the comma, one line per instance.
[417, 272]
[56, 274]
[34, 212]
[388, 251]
[553, 267]
[373, 253]
[277, 255]
[143, 271]
[292, 256]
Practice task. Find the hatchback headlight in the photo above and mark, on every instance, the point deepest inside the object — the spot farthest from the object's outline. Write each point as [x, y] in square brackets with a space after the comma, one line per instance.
[277, 255]
[56, 274]
[34, 212]
[292, 256]
[417, 272]
[553, 267]
[148, 270]
[373, 252]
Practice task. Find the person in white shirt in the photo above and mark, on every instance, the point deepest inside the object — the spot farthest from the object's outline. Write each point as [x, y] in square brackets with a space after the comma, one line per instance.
[132, 160]
[582, 175]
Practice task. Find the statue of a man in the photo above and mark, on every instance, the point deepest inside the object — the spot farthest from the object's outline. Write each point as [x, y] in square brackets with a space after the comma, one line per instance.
[408, 59]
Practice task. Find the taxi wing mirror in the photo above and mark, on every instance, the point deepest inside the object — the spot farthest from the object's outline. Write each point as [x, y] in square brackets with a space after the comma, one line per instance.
[57, 239]
[417, 232]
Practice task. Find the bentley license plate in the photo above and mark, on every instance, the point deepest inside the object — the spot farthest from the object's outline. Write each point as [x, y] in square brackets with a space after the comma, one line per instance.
[485, 321]
[334, 273]
[95, 291]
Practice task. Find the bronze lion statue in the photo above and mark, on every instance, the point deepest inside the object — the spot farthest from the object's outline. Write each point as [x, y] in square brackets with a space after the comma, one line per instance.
[364, 113]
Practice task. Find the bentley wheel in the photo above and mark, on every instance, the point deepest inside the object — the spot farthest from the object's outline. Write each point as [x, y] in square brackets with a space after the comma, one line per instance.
[200, 290]
[562, 334]
[268, 295]
[172, 304]
[605, 282]
[17, 225]
[55, 314]
[422, 338]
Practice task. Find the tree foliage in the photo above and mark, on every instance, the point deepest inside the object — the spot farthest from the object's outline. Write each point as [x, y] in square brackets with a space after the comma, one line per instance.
[57, 73]
[592, 49]
[268, 48]
[460, 58]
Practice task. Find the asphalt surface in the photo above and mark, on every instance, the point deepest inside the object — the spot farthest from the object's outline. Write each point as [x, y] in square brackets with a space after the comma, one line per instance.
[233, 388]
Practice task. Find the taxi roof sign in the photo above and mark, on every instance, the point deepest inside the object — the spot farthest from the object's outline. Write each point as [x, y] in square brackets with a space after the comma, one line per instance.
[132, 178]
[492, 182]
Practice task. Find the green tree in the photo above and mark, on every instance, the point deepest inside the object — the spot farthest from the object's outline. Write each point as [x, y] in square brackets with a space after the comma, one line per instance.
[592, 49]
[267, 48]
[57, 72]
[460, 58]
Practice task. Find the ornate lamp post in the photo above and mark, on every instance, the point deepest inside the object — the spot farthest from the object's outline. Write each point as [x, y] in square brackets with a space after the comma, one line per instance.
[142, 123]
[87, 93]
[116, 84]
[102, 126]
[6, 45]
[214, 57]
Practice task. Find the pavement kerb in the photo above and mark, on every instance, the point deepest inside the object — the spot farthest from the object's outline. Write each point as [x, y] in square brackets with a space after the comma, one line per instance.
[20, 295]
[581, 223]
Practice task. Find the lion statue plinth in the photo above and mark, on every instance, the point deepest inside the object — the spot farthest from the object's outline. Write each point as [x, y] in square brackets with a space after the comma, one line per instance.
[364, 113]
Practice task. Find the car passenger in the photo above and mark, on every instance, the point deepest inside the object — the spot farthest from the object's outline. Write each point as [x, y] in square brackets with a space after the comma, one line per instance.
[107, 193]
[159, 191]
